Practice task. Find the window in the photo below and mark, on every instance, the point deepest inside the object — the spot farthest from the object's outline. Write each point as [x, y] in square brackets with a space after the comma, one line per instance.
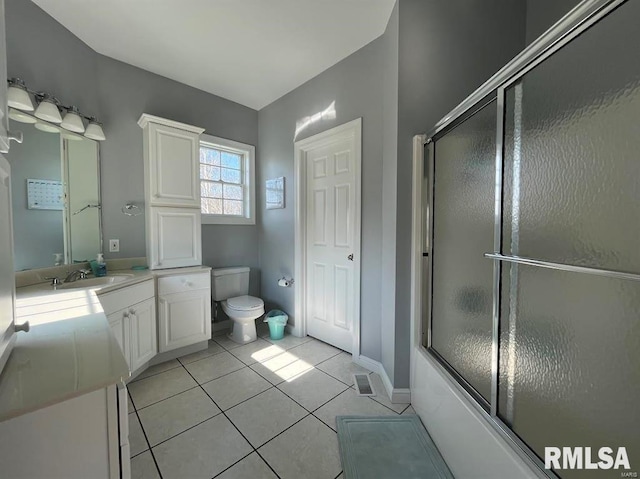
[227, 186]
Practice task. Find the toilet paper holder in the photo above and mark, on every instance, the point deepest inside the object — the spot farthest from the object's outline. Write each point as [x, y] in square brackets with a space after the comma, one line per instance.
[285, 282]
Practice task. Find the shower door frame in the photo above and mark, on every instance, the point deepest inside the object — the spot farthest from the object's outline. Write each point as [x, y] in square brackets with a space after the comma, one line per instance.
[577, 21]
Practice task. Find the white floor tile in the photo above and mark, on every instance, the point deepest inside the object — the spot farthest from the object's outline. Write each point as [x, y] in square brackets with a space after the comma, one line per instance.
[270, 369]
[381, 394]
[342, 368]
[258, 351]
[144, 467]
[409, 410]
[312, 389]
[264, 416]
[201, 452]
[289, 341]
[314, 352]
[158, 368]
[213, 348]
[130, 406]
[176, 414]
[137, 442]
[251, 467]
[349, 403]
[311, 451]
[224, 341]
[236, 387]
[213, 367]
[161, 386]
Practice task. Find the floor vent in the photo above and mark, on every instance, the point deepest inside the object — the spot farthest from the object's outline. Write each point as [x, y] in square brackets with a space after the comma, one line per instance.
[363, 385]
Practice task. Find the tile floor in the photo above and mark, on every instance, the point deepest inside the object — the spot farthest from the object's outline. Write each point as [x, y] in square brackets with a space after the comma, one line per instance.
[263, 410]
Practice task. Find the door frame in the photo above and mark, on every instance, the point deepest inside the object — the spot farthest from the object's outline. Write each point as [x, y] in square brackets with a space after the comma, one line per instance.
[351, 130]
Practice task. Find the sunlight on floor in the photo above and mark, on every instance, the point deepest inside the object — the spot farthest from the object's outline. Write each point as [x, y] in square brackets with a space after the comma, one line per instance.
[286, 365]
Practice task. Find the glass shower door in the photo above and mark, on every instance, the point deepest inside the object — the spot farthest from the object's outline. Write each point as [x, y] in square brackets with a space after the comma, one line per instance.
[570, 318]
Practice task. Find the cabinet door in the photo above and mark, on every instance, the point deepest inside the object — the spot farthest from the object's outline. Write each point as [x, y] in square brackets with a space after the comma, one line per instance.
[184, 319]
[173, 167]
[174, 237]
[119, 324]
[144, 345]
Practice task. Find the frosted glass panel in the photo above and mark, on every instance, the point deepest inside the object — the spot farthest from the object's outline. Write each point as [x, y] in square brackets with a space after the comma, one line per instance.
[463, 215]
[570, 361]
[572, 137]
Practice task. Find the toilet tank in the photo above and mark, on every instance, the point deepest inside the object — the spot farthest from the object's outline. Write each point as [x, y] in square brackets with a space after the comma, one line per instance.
[229, 282]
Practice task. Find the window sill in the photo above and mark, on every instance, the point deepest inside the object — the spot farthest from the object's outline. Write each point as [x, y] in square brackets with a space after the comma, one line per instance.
[227, 220]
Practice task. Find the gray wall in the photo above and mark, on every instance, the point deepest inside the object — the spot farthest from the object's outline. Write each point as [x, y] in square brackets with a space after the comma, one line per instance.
[446, 50]
[38, 234]
[542, 14]
[355, 84]
[389, 191]
[49, 57]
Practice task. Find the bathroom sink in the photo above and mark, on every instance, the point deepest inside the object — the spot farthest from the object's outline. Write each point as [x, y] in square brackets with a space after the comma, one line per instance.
[93, 282]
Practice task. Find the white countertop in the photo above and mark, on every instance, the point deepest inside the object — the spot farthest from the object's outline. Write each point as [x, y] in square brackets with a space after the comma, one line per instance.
[70, 349]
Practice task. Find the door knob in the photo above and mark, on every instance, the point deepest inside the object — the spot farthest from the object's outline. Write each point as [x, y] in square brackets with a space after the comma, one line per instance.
[350, 257]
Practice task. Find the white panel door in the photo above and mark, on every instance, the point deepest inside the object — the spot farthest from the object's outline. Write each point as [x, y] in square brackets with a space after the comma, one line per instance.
[330, 235]
[174, 176]
[143, 338]
[7, 286]
[184, 318]
[175, 239]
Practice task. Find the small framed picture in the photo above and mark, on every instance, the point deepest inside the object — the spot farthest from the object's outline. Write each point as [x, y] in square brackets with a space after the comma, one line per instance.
[275, 193]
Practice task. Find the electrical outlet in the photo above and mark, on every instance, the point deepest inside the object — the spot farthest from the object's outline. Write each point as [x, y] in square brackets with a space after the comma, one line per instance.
[114, 245]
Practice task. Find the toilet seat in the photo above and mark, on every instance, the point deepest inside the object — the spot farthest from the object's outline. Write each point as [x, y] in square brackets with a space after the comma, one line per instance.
[245, 303]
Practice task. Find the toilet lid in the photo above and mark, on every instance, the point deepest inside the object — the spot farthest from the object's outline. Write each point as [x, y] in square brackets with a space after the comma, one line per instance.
[245, 303]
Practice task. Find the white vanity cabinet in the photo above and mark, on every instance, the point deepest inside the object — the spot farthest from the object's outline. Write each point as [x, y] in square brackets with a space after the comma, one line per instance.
[83, 437]
[132, 318]
[184, 310]
[172, 192]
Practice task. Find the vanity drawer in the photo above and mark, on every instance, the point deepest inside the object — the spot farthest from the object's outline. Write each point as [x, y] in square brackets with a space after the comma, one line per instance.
[127, 296]
[183, 282]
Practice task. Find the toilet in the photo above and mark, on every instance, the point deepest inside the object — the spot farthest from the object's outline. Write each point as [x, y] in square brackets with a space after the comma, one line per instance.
[231, 285]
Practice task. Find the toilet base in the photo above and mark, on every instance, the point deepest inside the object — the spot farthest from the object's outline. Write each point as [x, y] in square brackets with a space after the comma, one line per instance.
[244, 331]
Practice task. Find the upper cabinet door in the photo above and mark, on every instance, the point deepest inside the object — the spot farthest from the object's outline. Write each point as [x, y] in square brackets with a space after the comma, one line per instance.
[174, 237]
[173, 167]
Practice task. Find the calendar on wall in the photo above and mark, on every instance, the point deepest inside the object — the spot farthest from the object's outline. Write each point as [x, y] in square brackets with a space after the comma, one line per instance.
[45, 195]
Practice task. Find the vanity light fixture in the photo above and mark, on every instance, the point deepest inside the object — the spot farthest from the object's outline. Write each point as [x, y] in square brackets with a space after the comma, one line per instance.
[72, 121]
[48, 108]
[94, 130]
[46, 116]
[47, 127]
[18, 95]
[22, 117]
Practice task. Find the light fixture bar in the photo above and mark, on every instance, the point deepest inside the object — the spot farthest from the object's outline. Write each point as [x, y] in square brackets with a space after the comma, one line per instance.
[18, 98]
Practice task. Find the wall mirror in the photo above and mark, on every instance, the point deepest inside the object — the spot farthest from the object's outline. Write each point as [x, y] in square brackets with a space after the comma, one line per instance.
[55, 182]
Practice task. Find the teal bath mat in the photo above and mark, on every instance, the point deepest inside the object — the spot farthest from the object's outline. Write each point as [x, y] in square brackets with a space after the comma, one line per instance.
[388, 447]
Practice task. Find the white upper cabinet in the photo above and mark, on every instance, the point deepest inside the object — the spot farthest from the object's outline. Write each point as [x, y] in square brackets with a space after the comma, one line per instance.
[172, 192]
[4, 119]
[174, 237]
[171, 151]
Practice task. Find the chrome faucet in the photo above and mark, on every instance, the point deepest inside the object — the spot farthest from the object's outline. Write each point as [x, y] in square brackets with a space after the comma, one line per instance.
[76, 275]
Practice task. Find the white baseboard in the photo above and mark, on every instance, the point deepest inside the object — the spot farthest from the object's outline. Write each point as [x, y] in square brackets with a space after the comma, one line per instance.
[396, 395]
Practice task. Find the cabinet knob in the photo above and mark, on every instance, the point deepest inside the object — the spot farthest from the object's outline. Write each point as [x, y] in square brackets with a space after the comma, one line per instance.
[23, 327]
[125, 315]
[189, 283]
[132, 311]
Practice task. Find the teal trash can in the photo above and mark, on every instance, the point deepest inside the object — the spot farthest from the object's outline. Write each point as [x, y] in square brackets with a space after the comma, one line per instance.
[277, 320]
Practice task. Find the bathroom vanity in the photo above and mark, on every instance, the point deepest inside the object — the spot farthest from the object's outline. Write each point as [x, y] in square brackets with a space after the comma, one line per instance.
[86, 341]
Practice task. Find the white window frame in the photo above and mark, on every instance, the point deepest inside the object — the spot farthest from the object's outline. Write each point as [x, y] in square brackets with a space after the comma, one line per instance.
[248, 153]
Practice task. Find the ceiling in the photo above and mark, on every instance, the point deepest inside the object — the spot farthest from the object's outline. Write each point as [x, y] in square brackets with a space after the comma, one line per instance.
[248, 51]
